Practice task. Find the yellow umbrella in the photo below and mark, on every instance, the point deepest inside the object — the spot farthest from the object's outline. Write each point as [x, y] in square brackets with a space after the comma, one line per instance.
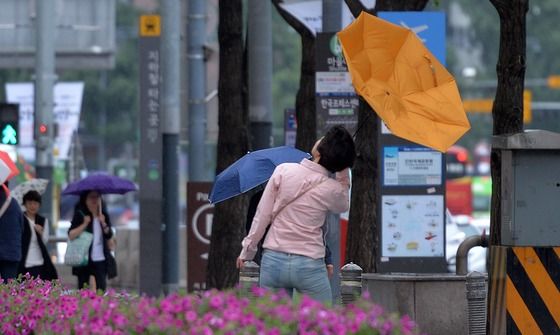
[403, 82]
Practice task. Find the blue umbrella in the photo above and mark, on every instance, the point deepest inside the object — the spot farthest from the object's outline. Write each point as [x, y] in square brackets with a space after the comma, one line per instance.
[252, 170]
[102, 183]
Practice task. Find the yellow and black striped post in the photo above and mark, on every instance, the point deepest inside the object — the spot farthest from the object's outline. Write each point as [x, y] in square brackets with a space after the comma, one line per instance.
[526, 281]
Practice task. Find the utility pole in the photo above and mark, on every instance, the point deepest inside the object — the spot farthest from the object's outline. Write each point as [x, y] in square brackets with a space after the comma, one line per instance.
[170, 50]
[260, 73]
[196, 27]
[332, 22]
[44, 83]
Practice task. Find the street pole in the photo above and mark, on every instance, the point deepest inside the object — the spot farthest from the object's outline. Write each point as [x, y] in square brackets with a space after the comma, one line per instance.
[260, 73]
[170, 50]
[102, 155]
[44, 83]
[196, 28]
[332, 22]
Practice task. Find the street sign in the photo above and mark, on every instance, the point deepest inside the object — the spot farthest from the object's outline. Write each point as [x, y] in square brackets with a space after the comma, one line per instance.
[200, 214]
[150, 25]
[553, 81]
[478, 105]
[485, 106]
[336, 100]
[428, 26]
[151, 144]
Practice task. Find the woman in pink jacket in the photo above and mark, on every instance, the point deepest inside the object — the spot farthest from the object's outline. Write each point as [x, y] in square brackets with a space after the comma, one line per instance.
[295, 203]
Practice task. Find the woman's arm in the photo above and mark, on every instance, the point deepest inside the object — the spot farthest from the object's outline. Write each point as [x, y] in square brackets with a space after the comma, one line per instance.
[262, 217]
[105, 225]
[45, 234]
[79, 224]
[340, 201]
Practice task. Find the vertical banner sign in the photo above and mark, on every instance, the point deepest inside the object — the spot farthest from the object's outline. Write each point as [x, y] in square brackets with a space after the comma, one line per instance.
[67, 106]
[150, 156]
[337, 102]
[199, 227]
[412, 179]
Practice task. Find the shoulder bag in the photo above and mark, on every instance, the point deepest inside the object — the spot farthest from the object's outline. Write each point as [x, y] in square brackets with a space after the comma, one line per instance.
[77, 250]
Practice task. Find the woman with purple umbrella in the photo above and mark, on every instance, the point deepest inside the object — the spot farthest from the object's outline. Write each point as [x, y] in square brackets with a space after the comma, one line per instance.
[90, 215]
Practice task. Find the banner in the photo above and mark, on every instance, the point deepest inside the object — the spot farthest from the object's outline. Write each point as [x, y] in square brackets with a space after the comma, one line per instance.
[66, 114]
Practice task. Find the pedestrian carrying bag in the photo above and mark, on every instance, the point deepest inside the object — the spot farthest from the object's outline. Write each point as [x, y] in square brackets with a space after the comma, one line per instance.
[77, 250]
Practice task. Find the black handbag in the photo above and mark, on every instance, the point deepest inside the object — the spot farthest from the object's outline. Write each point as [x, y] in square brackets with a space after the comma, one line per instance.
[111, 266]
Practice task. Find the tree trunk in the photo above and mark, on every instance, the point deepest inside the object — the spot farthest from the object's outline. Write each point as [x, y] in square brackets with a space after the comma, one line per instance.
[507, 111]
[305, 98]
[363, 239]
[228, 227]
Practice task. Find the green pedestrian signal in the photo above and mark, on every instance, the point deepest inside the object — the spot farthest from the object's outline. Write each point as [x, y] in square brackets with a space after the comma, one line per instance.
[9, 124]
[9, 135]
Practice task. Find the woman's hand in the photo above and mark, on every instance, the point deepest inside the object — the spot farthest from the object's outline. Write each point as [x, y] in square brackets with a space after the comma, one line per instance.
[103, 222]
[87, 220]
[330, 270]
[38, 229]
[72, 234]
[240, 263]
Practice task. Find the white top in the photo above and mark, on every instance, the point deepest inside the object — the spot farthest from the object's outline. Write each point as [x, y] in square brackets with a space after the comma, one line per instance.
[34, 256]
[97, 247]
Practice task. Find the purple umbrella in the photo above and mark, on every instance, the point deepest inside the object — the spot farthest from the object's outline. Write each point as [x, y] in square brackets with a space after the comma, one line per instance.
[102, 183]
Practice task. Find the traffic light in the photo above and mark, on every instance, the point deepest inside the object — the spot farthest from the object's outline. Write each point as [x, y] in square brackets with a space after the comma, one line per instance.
[9, 123]
[43, 129]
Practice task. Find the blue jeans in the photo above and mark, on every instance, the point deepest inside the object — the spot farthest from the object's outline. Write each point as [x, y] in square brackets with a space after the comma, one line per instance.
[291, 272]
[8, 270]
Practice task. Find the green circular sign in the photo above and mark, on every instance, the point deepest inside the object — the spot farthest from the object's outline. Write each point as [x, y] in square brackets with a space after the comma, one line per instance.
[335, 47]
[153, 175]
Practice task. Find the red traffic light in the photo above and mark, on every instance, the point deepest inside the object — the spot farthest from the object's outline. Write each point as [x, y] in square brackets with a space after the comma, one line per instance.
[43, 128]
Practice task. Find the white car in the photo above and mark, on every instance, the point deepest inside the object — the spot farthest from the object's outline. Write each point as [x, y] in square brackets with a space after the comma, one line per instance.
[458, 228]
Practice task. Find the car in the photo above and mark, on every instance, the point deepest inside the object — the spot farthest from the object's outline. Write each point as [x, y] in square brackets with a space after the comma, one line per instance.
[458, 228]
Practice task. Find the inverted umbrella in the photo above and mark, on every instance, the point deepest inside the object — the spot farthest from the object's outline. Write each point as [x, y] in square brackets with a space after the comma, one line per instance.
[102, 183]
[36, 184]
[403, 82]
[251, 170]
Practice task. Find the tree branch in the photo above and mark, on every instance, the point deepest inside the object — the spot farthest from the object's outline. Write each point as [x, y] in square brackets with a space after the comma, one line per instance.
[292, 21]
[355, 7]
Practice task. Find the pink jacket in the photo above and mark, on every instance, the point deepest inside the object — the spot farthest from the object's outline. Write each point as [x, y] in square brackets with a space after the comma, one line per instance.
[296, 228]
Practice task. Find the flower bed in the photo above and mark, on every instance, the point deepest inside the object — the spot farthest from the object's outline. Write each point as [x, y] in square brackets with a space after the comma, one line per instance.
[35, 306]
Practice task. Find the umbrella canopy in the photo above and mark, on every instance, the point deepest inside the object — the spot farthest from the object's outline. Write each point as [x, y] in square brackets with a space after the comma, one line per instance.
[4, 172]
[252, 170]
[403, 82]
[38, 184]
[13, 170]
[102, 183]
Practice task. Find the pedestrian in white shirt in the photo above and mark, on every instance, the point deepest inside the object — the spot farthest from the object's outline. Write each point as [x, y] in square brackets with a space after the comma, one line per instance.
[35, 257]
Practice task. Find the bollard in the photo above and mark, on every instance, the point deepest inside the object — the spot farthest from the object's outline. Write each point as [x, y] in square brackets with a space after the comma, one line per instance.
[248, 277]
[350, 283]
[476, 300]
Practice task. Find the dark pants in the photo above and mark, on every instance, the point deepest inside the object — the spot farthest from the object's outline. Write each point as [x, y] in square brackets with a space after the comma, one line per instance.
[35, 271]
[8, 270]
[99, 271]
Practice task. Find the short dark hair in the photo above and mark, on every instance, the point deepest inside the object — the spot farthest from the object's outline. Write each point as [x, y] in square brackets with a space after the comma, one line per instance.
[32, 196]
[337, 149]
